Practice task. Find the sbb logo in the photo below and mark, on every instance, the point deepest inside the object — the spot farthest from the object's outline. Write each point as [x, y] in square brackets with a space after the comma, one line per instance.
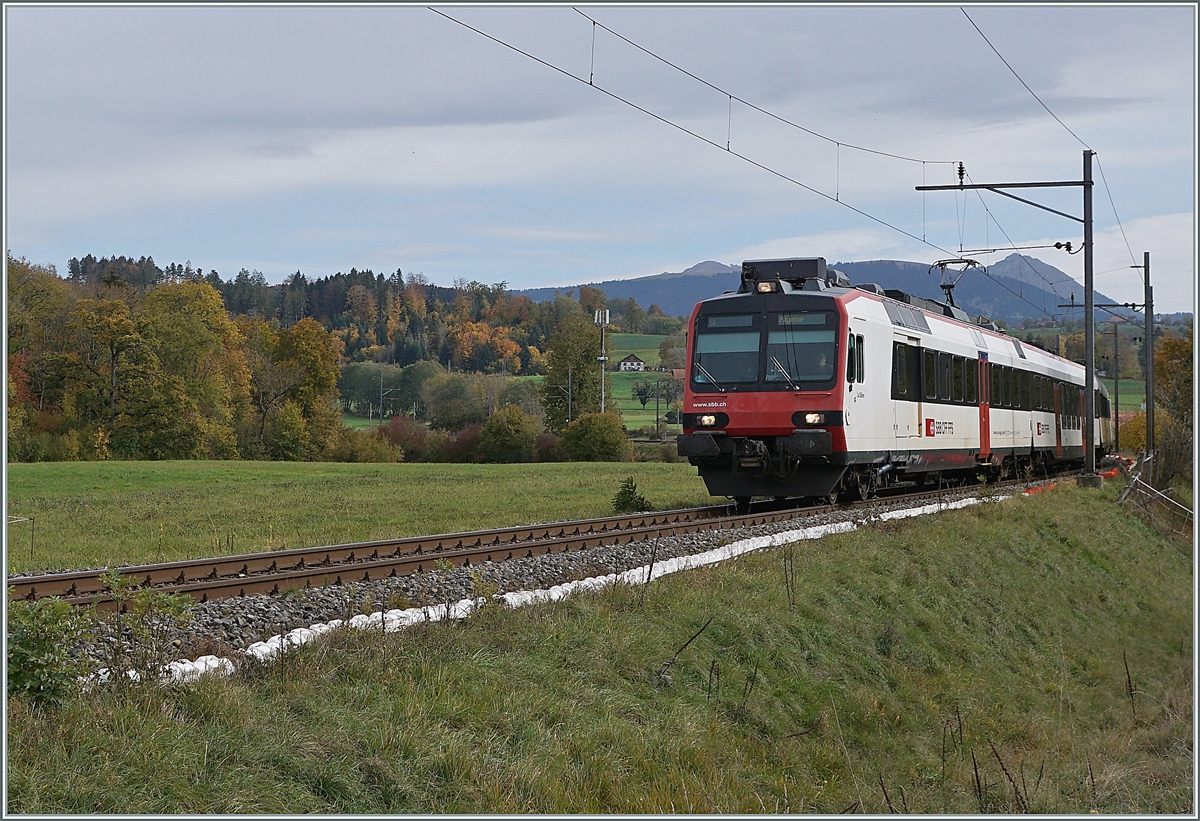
[935, 427]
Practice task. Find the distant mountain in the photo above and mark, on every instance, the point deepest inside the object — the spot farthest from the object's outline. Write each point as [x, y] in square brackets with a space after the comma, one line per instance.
[1013, 289]
[676, 293]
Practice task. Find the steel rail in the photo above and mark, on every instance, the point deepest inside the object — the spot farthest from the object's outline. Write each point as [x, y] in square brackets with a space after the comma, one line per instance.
[87, 584]
[279, 571]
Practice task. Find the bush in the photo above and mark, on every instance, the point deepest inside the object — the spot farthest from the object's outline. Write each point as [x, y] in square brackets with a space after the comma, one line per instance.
[508, 436]
[410, 436]
[656, 452]
[628, 500]
[597, 437]
[547, 448]
[361, 446]
[462, 447]
[40, 637]
[1133, 434]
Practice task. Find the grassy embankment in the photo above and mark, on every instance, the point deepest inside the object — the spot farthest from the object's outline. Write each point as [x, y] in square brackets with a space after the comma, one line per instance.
[91, 514]
[973, 661]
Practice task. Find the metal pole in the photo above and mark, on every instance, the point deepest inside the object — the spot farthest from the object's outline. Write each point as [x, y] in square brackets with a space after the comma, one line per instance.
[657, 429]
[1089, 390]
[1117, 388]
[602, 368]
[1148, 354]
[381, 397]
[568, 393]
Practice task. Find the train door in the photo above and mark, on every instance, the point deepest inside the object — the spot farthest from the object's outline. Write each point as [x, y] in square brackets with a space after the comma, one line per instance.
[906, 388]
[985, 400]
[1058, 426]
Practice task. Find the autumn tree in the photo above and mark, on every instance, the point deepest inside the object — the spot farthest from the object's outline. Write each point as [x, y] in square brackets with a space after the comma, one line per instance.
[1173, 377]
[572, 383]
[196, 342]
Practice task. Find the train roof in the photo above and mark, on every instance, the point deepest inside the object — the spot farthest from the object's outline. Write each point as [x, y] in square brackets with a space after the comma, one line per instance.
[811, 275]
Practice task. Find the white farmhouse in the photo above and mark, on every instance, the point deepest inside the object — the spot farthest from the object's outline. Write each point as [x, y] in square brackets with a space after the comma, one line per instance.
[631, 363]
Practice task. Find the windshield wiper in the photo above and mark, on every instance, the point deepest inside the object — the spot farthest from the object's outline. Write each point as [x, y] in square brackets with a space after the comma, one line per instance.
[786, 375]
[709, 377]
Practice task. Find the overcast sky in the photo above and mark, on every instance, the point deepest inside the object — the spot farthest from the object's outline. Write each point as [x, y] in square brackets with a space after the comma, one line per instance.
[323, 138]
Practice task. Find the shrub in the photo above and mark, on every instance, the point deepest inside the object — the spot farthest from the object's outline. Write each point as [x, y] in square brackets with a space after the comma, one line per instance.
[1133, 434]
[655, 452]
[410, 436]
[597, 437]
[547, 448]
[363, 446]
[462, 447]
[140, 637]
[508, 436]
[40, 637]
[628, 500]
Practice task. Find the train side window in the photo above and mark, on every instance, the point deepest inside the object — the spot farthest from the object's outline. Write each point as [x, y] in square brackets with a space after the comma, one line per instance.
[995, 386]
[957, 379]
[943, 377]
[971, 372]
[930, 375]
[851, 358]
[899, 370]
[858, 359]
[1024, 378]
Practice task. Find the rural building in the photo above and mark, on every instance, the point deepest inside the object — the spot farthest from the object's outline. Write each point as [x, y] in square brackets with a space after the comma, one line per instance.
[631, 363]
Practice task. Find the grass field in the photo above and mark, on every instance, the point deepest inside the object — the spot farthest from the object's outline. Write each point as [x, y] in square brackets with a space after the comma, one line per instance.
[1133, 393]
[91, 514]
[1031, 656]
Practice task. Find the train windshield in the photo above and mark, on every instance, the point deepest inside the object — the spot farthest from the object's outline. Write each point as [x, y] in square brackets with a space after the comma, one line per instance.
[727, 347]
[784, 350]
[801, 347]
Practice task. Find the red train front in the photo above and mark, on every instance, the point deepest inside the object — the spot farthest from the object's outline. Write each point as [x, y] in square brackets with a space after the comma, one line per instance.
[763, 401]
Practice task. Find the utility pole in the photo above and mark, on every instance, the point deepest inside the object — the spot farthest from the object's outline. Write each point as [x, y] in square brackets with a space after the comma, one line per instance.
[1090, 477]
[602, 320]
[382, 393]
[1148, 355]
[1117, 387]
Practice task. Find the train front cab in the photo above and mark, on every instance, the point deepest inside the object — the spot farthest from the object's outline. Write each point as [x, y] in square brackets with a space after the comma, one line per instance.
[764, 398]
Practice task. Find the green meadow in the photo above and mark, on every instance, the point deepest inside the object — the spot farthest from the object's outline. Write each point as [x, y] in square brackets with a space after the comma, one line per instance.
[1025, 656]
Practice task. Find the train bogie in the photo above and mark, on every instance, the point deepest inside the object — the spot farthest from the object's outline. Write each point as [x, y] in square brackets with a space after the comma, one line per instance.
[799, 385]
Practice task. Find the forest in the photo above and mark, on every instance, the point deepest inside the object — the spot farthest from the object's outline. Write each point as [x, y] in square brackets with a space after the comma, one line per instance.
[124, 359]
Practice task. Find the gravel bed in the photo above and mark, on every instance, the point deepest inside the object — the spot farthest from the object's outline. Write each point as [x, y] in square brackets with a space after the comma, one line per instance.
[225, 626]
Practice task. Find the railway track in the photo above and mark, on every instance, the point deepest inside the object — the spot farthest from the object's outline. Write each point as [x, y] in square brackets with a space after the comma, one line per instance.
[279, 571]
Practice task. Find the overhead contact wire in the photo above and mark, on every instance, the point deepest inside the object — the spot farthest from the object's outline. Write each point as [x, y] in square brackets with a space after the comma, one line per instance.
[748, 104]
[700, 137]
[1022, 82]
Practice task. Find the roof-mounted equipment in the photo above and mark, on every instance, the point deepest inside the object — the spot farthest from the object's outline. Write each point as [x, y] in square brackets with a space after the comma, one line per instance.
[799, 273]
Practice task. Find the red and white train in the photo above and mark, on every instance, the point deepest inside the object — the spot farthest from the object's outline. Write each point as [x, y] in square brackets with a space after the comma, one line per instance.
[801, 385]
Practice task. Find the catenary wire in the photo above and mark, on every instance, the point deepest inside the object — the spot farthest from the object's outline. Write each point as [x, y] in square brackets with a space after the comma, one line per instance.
[1104, 179]
[1022, 82]
[691, 133]
[748, 104]
[1132, 258]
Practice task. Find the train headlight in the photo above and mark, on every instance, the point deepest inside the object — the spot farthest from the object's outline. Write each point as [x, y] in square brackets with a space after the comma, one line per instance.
[814, 419]
[707, 420]
[765, 287]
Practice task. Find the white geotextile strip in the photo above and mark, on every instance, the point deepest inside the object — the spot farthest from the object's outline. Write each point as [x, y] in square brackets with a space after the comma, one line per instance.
[392, 620]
